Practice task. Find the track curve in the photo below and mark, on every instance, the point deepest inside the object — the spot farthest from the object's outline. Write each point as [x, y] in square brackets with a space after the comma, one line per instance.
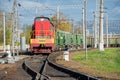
[48, 70]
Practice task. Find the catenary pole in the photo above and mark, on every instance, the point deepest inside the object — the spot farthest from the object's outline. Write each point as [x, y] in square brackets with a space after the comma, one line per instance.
[14, 26]
[83, 28]
[58, 13]
[85, 24]
[101, 41]
[17, 25]
[107, 30]
[95, 31]
[4, 37]
[36, 10]
[97, 20]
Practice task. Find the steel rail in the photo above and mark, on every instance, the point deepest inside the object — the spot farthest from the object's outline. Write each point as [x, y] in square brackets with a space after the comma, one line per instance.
[40, 75]
[34, 74]
[72, 73]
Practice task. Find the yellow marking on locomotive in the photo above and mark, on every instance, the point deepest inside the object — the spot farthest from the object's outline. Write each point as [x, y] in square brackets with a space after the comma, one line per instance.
[42, 41]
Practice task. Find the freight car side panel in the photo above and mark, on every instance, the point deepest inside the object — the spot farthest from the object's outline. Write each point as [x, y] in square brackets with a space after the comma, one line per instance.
[61, 38]
[66, 38]
[79, 39]
[74, 42]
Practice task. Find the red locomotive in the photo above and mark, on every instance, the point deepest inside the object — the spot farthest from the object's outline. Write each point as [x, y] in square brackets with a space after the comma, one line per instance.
[42, 35]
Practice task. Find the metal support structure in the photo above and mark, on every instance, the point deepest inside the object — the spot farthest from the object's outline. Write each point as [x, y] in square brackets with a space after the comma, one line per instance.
[72, 26]
[101, 41]
[4, 37]
[14, 25]
[58, 16]
[95, 31]
[97, 19]
[58, 13]
[17, 31]
[36, 10]
[107, 31]
[83, 28]
[85, 25]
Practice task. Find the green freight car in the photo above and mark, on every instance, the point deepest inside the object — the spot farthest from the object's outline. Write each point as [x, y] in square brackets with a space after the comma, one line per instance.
[60, 37]
[66, 38]
[79, 39]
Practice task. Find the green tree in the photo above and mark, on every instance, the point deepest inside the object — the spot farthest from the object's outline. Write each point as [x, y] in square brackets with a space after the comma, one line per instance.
[8, 25]
[62, 24]
[8, 28]
[1, 28]
[26, 33]
[78, 29]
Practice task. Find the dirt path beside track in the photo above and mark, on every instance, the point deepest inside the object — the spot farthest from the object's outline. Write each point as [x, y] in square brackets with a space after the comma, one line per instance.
[13, 71]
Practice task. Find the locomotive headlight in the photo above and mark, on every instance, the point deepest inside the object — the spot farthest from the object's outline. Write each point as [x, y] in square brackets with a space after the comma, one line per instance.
[41, 19]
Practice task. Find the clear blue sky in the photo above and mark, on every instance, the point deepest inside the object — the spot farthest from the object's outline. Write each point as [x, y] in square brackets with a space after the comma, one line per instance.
[27, 9]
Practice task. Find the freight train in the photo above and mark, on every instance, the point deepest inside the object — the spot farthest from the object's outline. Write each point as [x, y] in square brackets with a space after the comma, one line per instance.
[113, 41]
[44, 38]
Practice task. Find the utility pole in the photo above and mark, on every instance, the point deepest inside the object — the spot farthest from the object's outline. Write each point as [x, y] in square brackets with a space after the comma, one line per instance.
[72, 26]
[95, 31]
[14, 25]
[58, 16]
[83, 28]
[36, 12]
[17, 30]
[107, 31]
[58, 13]
[97, 20]
[4, 37]
[101, 41]
[85, 25]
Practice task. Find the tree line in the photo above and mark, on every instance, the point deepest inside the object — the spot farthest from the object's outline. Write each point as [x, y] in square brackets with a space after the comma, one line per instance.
[62, 23]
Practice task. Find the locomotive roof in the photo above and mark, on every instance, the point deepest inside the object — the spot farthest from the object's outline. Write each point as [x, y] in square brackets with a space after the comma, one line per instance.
[42, 17]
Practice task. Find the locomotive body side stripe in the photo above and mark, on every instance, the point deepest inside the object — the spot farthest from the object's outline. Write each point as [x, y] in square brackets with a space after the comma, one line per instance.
[41, 41]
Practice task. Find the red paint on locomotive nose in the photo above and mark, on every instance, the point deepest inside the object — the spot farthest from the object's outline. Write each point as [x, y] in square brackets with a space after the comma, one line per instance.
[43, 33]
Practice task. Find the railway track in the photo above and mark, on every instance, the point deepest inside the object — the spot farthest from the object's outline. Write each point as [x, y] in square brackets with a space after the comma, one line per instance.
[34, 66]
[42, 67]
